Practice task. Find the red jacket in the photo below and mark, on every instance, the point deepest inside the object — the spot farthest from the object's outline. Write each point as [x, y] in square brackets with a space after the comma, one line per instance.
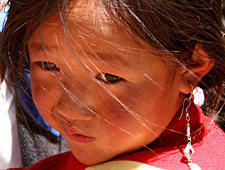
[167, 151]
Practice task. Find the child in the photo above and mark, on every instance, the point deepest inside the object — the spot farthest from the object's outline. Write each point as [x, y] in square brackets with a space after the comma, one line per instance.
[115, 78]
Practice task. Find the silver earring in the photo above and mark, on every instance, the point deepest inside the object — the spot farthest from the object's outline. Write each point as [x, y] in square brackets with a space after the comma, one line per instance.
[189, 150]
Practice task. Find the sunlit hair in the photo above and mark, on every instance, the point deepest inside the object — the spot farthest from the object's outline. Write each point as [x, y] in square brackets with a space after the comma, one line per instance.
[172, 28]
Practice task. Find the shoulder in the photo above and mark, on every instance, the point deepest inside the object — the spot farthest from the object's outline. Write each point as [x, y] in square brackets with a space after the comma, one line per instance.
[210, 151]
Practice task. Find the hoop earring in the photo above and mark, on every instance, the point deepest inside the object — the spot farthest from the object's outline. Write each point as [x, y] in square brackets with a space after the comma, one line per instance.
[189, 150]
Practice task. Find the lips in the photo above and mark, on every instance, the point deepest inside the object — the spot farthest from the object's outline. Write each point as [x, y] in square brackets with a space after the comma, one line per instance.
[77, 137]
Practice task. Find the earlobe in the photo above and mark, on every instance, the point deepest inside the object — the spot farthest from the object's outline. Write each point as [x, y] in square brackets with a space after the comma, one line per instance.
[198, 66]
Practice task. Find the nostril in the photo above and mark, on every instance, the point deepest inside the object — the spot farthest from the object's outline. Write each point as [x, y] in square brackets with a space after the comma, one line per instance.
[69, 124]
[89, 112]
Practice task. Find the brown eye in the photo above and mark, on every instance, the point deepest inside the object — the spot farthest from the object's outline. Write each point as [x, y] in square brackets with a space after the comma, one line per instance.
[48, 66]
[109, 78]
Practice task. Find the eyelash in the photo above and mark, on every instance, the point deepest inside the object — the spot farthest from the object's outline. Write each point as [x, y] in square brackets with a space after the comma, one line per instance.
[108, 78]
[48, 66]
[105, 77]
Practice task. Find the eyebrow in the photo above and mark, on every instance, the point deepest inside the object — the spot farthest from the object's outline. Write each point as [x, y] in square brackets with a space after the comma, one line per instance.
[97, 56]
[41, 46]
[105, 57]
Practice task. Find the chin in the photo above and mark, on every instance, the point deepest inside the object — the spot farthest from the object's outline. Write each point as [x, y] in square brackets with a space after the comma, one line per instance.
[92, 160]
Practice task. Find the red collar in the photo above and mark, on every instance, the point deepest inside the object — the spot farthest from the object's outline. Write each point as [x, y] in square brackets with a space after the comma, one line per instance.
[175, 133]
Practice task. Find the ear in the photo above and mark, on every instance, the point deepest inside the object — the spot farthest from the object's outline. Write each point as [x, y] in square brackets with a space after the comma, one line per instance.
[199, 65]
[2, 4]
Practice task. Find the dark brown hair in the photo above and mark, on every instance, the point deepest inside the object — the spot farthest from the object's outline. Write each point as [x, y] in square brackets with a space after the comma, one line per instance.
[171, 26]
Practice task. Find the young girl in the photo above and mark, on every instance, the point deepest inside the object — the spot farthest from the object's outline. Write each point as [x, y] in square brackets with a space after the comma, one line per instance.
[116, 78]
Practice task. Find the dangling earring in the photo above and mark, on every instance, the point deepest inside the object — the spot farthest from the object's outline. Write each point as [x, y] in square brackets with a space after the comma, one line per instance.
[189, 150]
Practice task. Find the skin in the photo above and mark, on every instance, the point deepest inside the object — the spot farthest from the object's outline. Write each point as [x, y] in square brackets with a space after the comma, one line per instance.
[75, 97]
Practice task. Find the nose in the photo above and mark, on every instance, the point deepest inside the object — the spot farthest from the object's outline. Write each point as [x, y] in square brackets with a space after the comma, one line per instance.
[74, 112]
[77, 99]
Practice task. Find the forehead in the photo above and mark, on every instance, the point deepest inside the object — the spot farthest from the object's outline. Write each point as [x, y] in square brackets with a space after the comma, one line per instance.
[92, 15]
[91, 29]
[85, 18]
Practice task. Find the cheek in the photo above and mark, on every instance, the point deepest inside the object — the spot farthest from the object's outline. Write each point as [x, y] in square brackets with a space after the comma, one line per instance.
[137, 108]
[45, 97]
[121, 112]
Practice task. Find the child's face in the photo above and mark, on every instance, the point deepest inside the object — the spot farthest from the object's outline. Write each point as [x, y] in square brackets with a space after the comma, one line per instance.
[99, 119]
